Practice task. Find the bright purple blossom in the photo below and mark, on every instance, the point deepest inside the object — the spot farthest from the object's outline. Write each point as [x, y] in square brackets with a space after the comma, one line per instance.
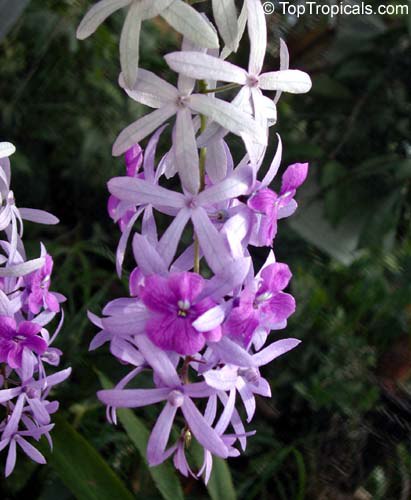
[198, 316]
[15, 338]
[39, 284]
[175, 304]
[26, 308]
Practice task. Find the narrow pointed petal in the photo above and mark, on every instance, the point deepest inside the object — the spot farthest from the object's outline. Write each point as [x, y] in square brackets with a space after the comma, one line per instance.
[132, 398]
[275, 165]
[186, 152]
[7, 394]
[31, 451]
[13, 423]
[160, 434]
[39, 216]
[158, 360]
[190, 23]
[284, 64]
[150, 89]
[241, 24]
[216, 161]
[122, 244]
[228, 116]
[248, 398]
[205, 67]
[140, 191]
[11, 458]
[274, 350]
[237, 184]
[290, 80]
[97, 15]
[152, 8]
[230, 352]
[141, 128]
[225, 417]
[168, 243]
[148, 259]
[22, 269]
[211, 241]
[257, 33]
[130, 44]
[225, 15]
[204, 434]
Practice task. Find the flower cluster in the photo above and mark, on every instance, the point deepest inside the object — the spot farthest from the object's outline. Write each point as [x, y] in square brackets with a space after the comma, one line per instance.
[27, 306]
[198, 317]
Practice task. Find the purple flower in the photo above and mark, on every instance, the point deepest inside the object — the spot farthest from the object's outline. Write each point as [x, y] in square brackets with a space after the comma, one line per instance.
[271, 206]
[120, 212]
[175, 304]
[39, 283]
[262, 303]
[15, 338]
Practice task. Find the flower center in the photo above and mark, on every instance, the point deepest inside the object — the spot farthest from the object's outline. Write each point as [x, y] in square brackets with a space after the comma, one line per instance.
[182, 101]
[253, 81]
[183, 307]
[176, 398]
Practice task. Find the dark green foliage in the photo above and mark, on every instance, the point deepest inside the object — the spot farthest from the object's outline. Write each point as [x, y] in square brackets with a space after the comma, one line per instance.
[337, 422]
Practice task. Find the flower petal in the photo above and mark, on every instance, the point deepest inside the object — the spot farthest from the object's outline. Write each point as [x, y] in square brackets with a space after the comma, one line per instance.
[186, 152]
[274, 350]
[190, 23]
[289, 80]
[160, 434]
[205, 67]
[97, 15]
[225, 15]
[141, 128]
[202, 431]
[228, 116]
[257, 33]
[150, 89]
[130, 44]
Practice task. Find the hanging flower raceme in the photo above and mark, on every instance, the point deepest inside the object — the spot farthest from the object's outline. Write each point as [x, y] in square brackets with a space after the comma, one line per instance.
[27, 306]
[195, 329]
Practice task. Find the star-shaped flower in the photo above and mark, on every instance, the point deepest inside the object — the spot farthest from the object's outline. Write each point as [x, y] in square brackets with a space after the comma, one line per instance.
[178, 14]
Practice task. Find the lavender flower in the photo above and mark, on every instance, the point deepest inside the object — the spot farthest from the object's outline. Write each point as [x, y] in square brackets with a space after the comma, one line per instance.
[27, 306]
[199, 315]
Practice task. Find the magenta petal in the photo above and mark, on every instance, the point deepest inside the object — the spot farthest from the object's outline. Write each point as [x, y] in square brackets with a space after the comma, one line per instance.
[7, 326]
[52, 302]
[186, 286]
[173, 333]
[280, 307]
[28, 329]
[276, 277]
[156, 294]
[263, 201]
[293, 177]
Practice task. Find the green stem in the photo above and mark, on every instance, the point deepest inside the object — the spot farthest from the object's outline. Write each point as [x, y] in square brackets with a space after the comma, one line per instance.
[203, 155]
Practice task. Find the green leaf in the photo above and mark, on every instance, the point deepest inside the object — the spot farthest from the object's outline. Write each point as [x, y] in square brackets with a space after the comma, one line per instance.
[221, 484]
[81, 468]
[163, 475]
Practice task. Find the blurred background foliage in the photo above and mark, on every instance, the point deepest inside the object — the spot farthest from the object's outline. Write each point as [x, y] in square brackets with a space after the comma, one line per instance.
[338, 424]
